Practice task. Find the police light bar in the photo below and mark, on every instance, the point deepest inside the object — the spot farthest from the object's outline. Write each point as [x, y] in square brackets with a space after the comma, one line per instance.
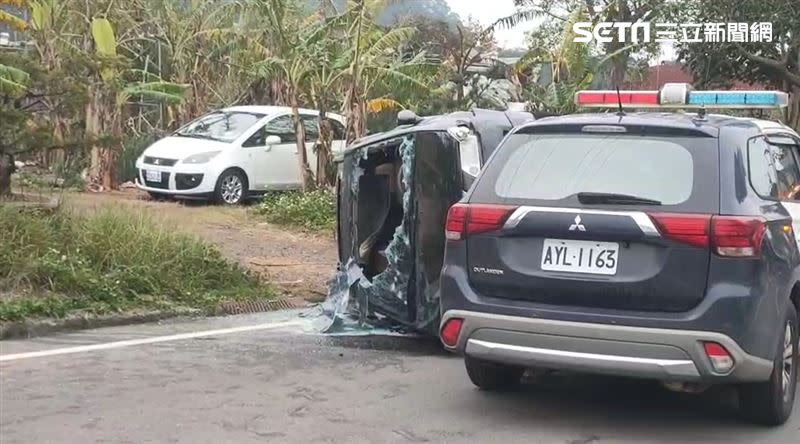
[681, 95]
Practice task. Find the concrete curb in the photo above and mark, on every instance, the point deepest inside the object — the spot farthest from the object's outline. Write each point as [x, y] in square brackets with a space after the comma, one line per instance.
[43, 327]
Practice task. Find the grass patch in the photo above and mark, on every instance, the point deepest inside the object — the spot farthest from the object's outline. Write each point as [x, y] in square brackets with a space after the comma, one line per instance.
[311, 211]
[56, 263]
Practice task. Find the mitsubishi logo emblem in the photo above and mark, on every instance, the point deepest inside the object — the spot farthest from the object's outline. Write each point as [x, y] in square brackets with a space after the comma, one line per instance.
[577, 225]
[156, 161]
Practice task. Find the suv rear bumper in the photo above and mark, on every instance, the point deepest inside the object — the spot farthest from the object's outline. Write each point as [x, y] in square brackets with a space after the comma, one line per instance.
[663, 354]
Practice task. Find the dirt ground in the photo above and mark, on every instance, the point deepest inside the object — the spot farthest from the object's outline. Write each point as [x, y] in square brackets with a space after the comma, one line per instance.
[298, 263]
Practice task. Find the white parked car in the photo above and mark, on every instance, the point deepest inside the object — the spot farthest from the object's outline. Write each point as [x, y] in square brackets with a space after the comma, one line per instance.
[230, 154]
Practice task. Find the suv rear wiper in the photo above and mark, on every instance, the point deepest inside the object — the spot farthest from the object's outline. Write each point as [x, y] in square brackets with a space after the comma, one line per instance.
[612, 198]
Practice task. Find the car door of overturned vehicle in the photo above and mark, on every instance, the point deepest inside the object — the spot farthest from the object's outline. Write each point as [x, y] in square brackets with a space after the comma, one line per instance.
[393, 201]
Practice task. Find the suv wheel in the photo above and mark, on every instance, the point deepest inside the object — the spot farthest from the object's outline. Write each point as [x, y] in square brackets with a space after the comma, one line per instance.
[231, 188]
[492, 376]
[770, 403]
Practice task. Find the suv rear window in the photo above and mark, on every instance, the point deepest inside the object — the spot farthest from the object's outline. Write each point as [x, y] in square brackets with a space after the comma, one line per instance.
[551, 169]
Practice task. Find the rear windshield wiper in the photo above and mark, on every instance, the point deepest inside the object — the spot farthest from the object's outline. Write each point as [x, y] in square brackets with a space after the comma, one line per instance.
[614, 199]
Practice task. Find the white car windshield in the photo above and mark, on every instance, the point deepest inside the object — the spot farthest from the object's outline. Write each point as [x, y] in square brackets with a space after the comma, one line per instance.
[222, 126]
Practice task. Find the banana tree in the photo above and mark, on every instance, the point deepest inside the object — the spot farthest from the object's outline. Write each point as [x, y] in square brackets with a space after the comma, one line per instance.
[108, 94]
[378, 63]
[295, 42]
[572, 67]
[190, 44]
[103, 127]
[323, 85]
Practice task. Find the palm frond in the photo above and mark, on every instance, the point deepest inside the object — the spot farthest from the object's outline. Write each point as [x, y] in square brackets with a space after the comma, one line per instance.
[13, 81]
[41, 15]
[270, 66]
[394, 77]
[161, 91]
[390, 41]
[516, 18]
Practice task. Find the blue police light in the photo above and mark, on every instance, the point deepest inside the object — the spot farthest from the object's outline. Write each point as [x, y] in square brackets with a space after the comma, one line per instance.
[765, 98]
[743, 99]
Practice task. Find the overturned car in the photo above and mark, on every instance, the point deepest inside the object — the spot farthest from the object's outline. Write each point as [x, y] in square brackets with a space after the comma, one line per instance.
[394, 191]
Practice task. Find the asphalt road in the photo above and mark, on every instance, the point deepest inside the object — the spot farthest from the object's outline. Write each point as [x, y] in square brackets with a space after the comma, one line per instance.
[283, 385]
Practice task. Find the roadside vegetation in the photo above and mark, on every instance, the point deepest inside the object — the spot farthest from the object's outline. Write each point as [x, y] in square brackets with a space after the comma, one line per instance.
[310, 211]
[87, 84]
[54, 263]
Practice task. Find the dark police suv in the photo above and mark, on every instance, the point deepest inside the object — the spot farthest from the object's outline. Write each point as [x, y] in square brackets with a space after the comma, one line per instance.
[652, 245]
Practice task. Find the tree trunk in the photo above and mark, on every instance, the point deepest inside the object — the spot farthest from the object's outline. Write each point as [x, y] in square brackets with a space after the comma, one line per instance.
[355, 119]
[619, 68]
[60, 128]
[355, 111]
[277, 91]
[460, 83]
[325, 176]
[92, 131]
[306, 175]
[793, 110]
[6, 168]
[619, 63]
[101, 121]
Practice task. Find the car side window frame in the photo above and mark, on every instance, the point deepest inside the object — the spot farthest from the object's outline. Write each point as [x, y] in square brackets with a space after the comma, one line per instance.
[339, 131]
[260, 132]
[284, 140]
[774, 171]
[794, 150]
[310, 137]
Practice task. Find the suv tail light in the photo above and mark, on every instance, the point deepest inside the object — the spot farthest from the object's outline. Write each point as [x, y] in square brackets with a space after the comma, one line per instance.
[729, 236]
[690, 229]
[466, 219]
[736, 236]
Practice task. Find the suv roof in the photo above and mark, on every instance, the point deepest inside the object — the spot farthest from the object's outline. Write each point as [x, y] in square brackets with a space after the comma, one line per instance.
[490, 125]
[709, 124]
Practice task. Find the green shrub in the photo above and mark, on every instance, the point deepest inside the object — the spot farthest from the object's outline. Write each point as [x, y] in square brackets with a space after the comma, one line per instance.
[70, 170]
[56, 262]
[314, 210]
[132, 148]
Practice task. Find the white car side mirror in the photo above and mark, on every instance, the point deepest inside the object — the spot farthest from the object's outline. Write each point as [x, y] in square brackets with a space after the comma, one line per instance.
[272, 140]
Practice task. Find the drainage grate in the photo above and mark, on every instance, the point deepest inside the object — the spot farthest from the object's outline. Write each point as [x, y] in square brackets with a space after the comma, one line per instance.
[259, 306]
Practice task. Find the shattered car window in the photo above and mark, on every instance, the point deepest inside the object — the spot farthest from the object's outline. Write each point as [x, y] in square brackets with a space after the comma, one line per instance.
[393, 201]
[381, 260]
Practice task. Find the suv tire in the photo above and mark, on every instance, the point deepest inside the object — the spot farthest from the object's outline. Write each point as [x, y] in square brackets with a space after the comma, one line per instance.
[769, 403]
[492, 376]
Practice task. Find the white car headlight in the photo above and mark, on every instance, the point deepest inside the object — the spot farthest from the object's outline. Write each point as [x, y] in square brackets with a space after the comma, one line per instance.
[201, 157]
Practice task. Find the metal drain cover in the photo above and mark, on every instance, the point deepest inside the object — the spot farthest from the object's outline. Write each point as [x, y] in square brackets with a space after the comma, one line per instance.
[242, 307]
